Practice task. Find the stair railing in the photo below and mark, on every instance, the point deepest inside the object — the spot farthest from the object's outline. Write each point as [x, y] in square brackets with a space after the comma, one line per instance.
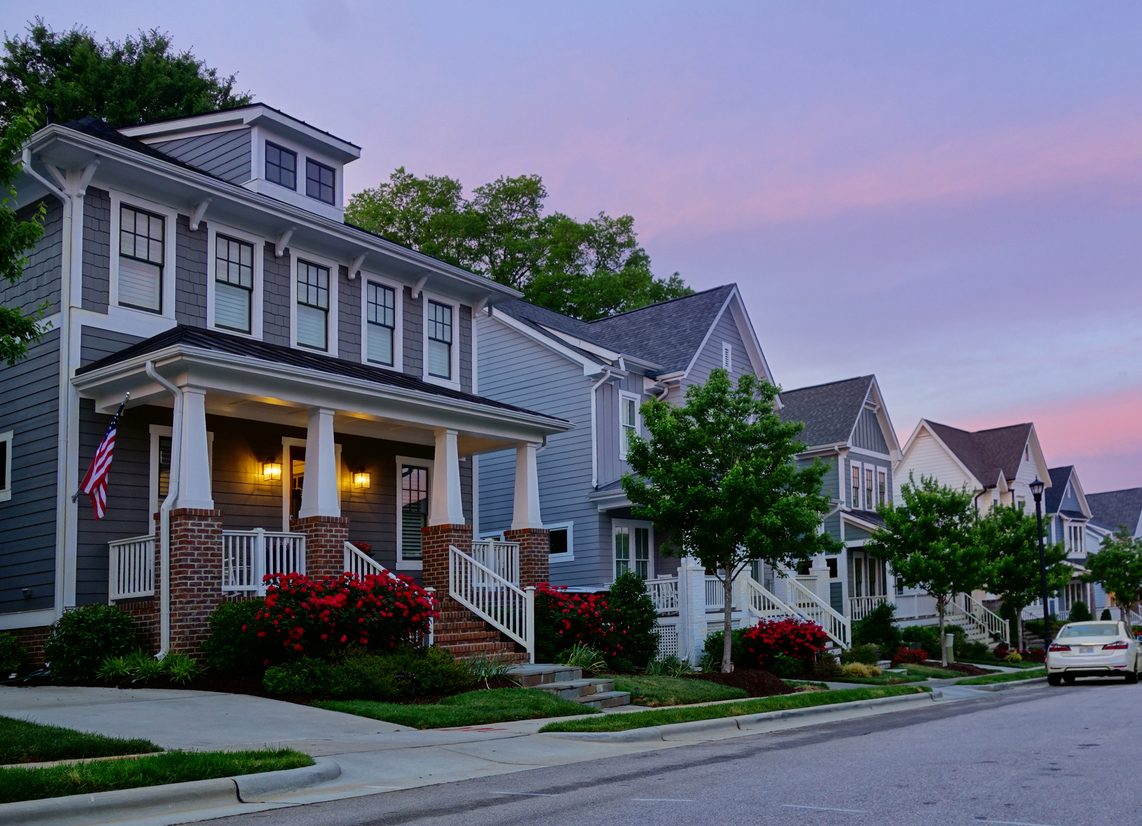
[810, 606]
[971, 610]
[493, 599]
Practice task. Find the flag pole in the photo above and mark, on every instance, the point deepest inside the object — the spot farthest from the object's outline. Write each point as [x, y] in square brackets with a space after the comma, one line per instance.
[114, 419]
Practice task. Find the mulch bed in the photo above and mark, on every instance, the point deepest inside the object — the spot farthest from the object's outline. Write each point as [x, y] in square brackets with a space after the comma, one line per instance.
[753, 681]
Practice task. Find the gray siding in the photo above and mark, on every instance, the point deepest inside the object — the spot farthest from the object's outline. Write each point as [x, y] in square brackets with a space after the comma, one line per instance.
[348, 316]
[275, 307]
[190, 266]
[95, 343]
[868, 434]
[96, 250]
[710, 357]
[27, 544]
[40, 283]
[413, 334]
[225, 155]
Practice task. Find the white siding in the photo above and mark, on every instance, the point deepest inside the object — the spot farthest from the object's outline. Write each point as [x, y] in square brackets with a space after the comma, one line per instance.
[927, 457]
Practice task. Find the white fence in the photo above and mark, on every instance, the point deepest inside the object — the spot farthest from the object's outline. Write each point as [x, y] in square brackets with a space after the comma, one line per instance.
[861, 607]
[493, 598]
[500, 557]
[663, 593]
[131, 568]
[247, 556]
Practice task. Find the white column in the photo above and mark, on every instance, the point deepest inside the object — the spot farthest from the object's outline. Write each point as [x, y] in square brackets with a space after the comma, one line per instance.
[445, 505]
[525, 512]
[194, 453]
[820, 572]
[319, 488]
[691, 609]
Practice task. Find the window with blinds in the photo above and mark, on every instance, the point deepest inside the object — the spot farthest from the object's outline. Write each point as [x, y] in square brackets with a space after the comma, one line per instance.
[439, 356]
[312, 305]
[381, 323]
[142, 238]
[414, 511]
[233, 284]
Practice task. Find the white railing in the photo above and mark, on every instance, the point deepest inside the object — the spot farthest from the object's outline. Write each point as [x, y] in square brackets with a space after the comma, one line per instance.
[132, 568]
[663, 593]
[764, 604]
[977, 615]
[493, 598]
[715, 594]
[861, 607]
[500, 557]
[360, 564]
[247, 556]
[811, 607]
[915, 606]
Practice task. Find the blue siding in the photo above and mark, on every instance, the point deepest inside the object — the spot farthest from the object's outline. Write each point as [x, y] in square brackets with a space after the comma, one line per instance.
[225, 155]
[710, 357]
[868, 434]
[96, 250]
[190, 273]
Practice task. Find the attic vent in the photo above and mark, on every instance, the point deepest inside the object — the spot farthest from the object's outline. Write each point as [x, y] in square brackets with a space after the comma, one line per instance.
[727, 356]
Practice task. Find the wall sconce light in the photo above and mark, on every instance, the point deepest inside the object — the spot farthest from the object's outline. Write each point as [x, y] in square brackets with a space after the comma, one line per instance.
[271, 471]
[361, 479]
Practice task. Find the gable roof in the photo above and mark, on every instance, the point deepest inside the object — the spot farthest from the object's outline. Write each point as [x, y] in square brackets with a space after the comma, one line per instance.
[828, 411]
[1113, 508]
[987, 454]
[1054, 495]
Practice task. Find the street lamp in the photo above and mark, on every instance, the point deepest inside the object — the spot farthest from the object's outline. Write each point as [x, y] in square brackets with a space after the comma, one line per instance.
[1037, 491]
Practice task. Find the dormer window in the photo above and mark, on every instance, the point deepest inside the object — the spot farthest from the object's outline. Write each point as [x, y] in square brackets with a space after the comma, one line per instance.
[319, 181]
[281, 166]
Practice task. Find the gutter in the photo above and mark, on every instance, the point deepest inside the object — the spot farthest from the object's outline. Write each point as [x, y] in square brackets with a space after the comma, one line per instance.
[165, 511]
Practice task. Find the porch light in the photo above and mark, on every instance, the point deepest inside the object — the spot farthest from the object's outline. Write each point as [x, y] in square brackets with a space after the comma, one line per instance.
[271, 471]
[361, 479]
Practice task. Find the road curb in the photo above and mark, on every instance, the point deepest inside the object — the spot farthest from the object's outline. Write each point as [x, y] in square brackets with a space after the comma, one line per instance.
[111, 807]
[735, 725]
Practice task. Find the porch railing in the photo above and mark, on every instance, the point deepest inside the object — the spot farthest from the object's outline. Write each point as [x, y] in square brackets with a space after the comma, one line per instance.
[978, 617]
[764, 604]
[915, 606]
[247, 556]
[493, 598]
[861, 607]
[663, 593]
[499, 557]
[131, 568]
[810, 606]
[360, 564]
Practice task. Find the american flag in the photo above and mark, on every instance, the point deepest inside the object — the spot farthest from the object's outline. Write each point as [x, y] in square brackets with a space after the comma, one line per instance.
[94, 484]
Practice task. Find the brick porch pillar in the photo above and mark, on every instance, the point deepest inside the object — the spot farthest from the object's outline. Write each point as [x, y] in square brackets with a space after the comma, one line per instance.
[325, 538]
[195, 575]
[534, 548]
[437, 538]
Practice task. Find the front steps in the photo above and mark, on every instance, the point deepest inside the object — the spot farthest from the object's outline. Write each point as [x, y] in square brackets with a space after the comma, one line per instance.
[467, 637]
[568, 683]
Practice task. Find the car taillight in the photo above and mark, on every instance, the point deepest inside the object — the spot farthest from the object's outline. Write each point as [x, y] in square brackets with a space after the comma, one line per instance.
[1058, 646]
[1120, 645]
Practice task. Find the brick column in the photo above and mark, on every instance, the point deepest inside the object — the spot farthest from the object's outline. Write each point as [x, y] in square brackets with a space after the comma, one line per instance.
[325, 538]
[437, 538]
[195, 575]
[534, 549]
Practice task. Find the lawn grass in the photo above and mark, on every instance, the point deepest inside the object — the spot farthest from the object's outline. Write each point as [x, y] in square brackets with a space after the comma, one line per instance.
[995, 662]
[672, 691]
[472, 708]
[665, 716]
[25, 742]
[1005, 677]
[929, 671]
[883, 679]
[133, 772]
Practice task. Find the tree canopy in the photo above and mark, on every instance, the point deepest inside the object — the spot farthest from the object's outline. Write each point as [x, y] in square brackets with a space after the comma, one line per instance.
[1117, 567]
[69, 75]
[18, 233]
[717, 476]
[586, 269]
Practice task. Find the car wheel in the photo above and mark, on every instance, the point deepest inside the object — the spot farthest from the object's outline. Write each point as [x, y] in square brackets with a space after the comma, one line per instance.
[1069, 679]
[1131, 677]
[1054, 679]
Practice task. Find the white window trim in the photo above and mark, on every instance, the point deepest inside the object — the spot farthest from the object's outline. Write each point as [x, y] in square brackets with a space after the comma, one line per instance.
[287, 443]
[632, 524]
[882, 489]
[259, 244]
[414, 461]
[398, 329]
[727, 356]
[295, 196]
[569, 554]
[157, 430]
[454, 382]
[331, 337]
[868, 490]
[8, 437]
[859, 468]
[624, 397]
[170, 228]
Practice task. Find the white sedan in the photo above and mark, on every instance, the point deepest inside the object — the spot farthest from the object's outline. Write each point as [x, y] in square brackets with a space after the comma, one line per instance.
[1093, 649]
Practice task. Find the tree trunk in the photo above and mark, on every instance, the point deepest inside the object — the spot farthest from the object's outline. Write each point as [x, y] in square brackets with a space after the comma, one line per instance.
[727, 623]
[941, 606]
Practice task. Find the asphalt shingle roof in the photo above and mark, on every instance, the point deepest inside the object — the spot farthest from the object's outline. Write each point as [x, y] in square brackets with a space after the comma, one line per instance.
[987, 453]
[1113, 508]
[1054, 494]
[828, 411]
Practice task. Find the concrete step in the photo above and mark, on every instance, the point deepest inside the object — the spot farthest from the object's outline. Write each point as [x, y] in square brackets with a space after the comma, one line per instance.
[607, 699]
[530, 676]
[577, 690]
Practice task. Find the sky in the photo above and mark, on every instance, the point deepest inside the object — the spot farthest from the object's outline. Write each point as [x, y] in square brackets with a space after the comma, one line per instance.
[948, 195]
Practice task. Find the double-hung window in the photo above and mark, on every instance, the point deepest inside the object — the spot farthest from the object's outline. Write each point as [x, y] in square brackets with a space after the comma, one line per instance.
[6, 466]
[142, 253]
[312, 305]
[233, 284]
[632, 542]
[380, 323]
[854, 487]
[412, 511]
[1075, 534]
[440, 329]
[869, 489]
[281, 166]
[628, 420]
[882, 486]
[319, 181]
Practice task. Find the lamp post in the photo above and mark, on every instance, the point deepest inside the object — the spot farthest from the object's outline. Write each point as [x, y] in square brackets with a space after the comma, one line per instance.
[1037, 491]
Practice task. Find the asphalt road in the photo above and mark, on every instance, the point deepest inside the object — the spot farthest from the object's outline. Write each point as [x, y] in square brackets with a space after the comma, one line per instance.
[1029, 757]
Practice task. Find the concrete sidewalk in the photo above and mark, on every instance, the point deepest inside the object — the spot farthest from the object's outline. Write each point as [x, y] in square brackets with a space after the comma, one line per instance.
[356, 756]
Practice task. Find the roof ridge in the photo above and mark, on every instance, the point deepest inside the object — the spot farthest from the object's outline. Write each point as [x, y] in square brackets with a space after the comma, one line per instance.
[660, 303]
[868, 377]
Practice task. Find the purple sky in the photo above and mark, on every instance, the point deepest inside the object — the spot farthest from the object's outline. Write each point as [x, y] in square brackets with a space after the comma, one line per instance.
[946, 195]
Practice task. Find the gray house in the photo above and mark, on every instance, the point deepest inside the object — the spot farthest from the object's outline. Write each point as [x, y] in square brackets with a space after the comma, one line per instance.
[302, 393]
[596, 375]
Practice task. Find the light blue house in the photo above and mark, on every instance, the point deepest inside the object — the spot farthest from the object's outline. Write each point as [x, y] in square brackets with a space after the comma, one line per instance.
[1067, 513]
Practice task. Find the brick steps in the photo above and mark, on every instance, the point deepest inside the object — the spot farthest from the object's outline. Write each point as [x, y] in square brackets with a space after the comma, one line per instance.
[467, 637]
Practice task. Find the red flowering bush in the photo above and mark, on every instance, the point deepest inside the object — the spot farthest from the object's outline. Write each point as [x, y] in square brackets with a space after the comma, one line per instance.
[801, 640]
[303, 617]
[563, 619]
[904, 654]
[1034, 654]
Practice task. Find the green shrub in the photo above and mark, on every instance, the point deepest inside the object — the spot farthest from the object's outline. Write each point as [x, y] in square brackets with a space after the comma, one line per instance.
[1079, 612]
[1013, 657]
[713, 649]
[139, 667]
[928, 638]
[12, 655]
[866, 653]
[786, 666]
[859, 669]
[670, 666]
[827, 666]
[83, 638]
[303, 676]
[584, 657]
[485, 669]
[973, 651]
[1105, 615]
[632, 612]
[232, 647]
[1035, 626]
[405, 673]
[879, 628]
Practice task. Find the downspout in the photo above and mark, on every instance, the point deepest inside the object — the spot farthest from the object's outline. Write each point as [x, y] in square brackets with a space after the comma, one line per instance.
[165, 511]
[607, 374]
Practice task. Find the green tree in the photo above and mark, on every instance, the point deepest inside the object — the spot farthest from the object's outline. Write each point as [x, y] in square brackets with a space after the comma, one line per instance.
[932, 542]
[69, 75]
[717, 476]
[586, 269]
[19, 328]
[1117, 567]
[1011, 539]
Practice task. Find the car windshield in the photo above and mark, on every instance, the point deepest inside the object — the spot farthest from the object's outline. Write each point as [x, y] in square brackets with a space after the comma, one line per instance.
[1089, 631]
